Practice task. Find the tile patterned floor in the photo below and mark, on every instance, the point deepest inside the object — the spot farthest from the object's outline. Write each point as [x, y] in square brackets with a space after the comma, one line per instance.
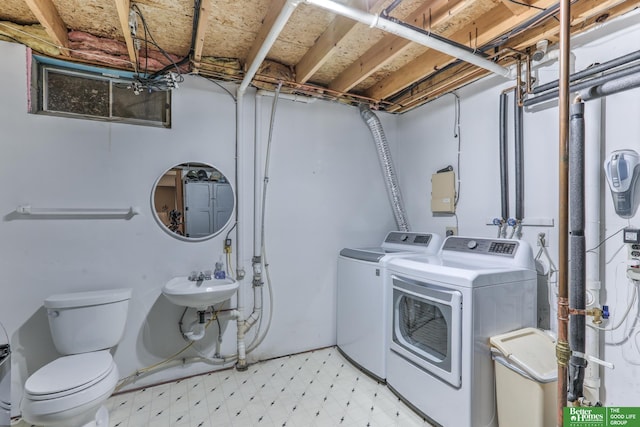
[318, 388]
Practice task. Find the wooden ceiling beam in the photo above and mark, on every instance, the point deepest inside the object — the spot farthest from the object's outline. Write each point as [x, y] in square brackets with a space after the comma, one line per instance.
[491, 25]
[450, 80]
[326, 45]
[275, 7]
[48, 16]
[390, 46]
[550, 29]
[123, 7]
[206, 7]
[598, 8]
[457, 76]
[517, 8]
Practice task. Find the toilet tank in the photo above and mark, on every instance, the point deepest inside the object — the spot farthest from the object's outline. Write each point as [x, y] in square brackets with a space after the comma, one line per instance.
[82, 322]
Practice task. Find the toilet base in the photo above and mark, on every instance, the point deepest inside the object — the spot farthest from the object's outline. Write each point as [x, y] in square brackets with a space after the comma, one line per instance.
[99, 419]
[93, 414]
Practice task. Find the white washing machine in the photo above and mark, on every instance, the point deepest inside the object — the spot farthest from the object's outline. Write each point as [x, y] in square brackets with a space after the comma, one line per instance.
[442, 315]
[362, 297]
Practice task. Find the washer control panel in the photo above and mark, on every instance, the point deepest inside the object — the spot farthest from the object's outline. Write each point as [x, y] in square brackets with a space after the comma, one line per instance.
[408, 238]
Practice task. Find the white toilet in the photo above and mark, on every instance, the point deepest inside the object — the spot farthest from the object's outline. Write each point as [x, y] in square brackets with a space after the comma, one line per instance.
[71, 390]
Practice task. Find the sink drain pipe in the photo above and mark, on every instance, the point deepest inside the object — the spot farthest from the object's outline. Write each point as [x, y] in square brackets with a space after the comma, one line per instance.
[277, 27]
[390, 177]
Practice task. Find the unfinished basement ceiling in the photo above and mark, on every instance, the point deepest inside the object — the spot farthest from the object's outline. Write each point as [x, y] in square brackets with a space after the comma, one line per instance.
[317, 53]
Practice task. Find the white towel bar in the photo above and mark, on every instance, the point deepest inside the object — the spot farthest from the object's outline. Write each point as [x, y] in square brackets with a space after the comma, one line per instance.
[79, 212]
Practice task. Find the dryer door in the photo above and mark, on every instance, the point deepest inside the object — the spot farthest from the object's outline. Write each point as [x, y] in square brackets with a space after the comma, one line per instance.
[427, 327]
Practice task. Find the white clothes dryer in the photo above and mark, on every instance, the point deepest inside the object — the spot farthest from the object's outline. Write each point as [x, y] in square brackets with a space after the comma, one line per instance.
[442, 315]
[362, 297]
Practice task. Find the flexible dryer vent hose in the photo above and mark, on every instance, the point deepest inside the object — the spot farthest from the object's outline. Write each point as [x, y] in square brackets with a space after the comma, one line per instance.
[384, 155]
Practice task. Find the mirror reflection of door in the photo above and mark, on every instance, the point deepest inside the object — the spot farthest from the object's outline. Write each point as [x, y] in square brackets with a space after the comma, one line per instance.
[208, 206]
[169, 200]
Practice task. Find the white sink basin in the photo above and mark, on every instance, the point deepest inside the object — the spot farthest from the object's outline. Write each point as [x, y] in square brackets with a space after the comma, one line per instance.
[199, 293]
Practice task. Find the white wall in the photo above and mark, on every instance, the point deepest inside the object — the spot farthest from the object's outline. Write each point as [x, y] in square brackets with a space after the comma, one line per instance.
[426, 144]
[325, 193]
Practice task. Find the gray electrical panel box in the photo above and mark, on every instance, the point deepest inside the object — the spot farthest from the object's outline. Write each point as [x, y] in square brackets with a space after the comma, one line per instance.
[443, 192]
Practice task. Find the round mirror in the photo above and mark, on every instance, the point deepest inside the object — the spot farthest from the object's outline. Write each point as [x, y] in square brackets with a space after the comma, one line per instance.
[193, 201]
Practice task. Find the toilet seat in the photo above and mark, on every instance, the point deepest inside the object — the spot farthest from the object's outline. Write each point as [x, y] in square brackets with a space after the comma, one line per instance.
[68, 375]
[68, 385]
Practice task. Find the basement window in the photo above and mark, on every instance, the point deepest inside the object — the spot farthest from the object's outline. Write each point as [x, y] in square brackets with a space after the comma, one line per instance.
[95, 94]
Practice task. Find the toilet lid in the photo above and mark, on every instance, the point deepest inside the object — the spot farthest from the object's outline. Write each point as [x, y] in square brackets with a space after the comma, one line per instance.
[69, 374]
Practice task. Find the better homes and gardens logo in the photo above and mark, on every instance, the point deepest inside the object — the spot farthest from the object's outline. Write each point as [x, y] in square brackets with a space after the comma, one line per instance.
[601, 417]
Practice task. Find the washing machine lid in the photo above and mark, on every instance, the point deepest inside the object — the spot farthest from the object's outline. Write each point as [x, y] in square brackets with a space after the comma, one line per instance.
[69, 374]
[397, 243]
[365, 254]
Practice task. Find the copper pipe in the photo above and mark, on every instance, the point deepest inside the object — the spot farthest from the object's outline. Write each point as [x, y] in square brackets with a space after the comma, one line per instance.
[562, 349]
[529, 74]
[519, 82]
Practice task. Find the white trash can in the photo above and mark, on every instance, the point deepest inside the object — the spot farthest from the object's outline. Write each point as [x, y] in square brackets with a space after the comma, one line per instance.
[526, 378]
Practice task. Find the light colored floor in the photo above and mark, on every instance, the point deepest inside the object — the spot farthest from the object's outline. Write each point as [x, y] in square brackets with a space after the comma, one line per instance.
[318, 388]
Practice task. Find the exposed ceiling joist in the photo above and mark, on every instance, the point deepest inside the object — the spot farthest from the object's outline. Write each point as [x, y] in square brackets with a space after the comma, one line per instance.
[490, 26]
[328, 50]
[206, 7]
[48, 16]
[326, 44]
[517, 7]
[123, 7]
[390, 46]
[275, 7]
[598, 7]
[550, 29]
[446, 81]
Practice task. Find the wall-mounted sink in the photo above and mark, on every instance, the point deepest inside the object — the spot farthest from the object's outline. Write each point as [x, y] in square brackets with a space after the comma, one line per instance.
[199, 294]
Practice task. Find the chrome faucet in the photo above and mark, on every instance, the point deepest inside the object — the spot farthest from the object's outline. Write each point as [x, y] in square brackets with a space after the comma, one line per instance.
[199, 277]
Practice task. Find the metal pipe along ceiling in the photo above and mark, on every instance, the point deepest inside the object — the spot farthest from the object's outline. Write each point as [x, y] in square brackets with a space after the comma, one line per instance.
[591, 71]
[385, 24]
[586, 84]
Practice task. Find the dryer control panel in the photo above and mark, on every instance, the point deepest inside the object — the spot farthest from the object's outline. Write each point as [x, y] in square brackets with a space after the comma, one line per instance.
[503, 248]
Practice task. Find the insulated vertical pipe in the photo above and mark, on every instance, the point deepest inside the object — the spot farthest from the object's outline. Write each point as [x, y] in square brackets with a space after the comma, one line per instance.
[593, 206]
[562, 346]
[577, 291]
[519, 155]
[504, 170]
[388, 171]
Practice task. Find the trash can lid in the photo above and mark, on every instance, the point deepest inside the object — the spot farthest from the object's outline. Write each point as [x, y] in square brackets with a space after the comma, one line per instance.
[531, 350]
